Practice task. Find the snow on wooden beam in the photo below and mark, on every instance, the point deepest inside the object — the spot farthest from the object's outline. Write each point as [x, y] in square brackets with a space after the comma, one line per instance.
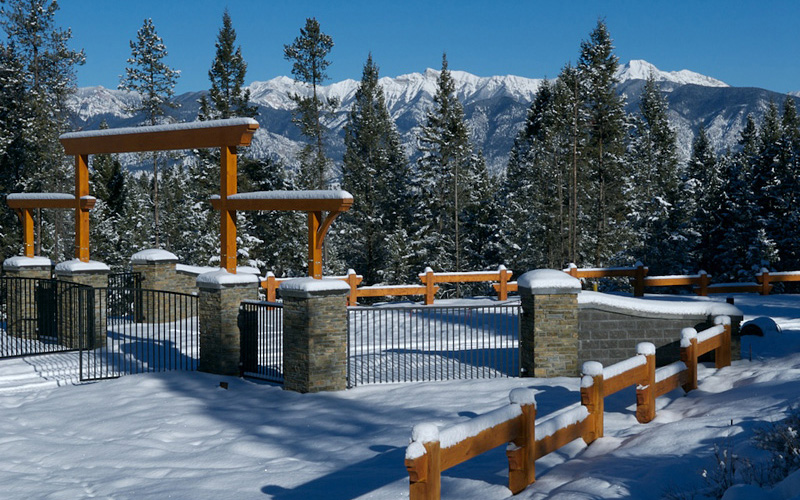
[49, 200]
[202, 134]
[304, 201]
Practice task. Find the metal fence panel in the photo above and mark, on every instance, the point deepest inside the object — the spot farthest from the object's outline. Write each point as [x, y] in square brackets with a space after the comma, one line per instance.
[408, 344]
[261, 340]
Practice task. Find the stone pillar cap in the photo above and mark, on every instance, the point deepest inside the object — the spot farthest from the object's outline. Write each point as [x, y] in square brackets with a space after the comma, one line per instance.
[304, 288]
[549, 282]
[21, 261]
[76, 266]
[152, 255]
[221, 278]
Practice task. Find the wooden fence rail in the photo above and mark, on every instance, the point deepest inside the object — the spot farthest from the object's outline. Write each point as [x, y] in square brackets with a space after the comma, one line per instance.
[432, 451]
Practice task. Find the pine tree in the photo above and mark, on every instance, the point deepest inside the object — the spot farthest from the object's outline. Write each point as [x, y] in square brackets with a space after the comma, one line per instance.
[149, 75]
[308, 54]
[227, 73]
[702, 188]
[788, 238]
[605, 236]
[38, 52]
[375, 171]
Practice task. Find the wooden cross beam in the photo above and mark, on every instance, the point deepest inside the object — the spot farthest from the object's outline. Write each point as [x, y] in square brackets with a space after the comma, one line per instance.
[313, 202]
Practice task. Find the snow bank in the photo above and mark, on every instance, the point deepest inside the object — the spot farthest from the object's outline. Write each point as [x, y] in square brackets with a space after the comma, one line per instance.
[153, 255]
[311, 287]
[159, 128]
[543, 281]
[22, 261]
[471, 428]
[644, 306]
[623, 366]
[78, 266]
[549, 425]
[222, 278]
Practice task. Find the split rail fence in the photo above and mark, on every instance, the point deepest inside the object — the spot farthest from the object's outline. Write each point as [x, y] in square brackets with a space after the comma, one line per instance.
[433, 451]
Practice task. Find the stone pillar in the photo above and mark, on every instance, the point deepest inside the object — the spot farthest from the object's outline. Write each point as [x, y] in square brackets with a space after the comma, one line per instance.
[314, 334]
[549, 325]
[157, 268]
[220, 295]
[23, 295]
[74, 324]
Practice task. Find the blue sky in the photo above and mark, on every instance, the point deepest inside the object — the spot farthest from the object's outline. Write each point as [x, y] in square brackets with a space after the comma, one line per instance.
[751, 44]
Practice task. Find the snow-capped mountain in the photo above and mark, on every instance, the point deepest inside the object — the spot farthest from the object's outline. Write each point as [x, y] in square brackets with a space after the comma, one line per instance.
[495, 108]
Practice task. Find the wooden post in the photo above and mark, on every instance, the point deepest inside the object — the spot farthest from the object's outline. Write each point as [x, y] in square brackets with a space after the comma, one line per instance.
[592, 399]
[522, 458]
[645, 391]
[314, 245]
[428, 281]
[425, 473]
[689, 357]
[81, 216]
[722, 355]
[353, 281]
[270, 286]
[505, 274]
[638, 280]
[703, 290]
[572, 270]
[765, 286]
[26, 218]
[227, 217]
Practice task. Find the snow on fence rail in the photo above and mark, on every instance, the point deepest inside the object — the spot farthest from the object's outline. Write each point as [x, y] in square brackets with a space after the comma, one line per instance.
[433, 450]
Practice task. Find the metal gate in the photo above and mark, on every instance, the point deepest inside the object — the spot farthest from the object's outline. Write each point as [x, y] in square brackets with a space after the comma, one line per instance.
[261, 340]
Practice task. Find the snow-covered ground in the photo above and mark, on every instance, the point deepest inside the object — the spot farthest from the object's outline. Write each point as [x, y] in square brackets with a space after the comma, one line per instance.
[180, 435]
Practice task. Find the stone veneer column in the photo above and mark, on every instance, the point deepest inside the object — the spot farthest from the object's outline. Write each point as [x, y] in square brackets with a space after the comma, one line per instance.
[157, 268]
[314, 334]
[549, 325]
[221, 293]
[22, 308]
[93, 274]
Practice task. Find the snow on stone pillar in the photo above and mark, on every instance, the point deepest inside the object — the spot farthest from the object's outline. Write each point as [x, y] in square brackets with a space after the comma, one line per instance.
[314, 334]
[82, 315]
[22, 315]
[157, 268]
[549, 325]
[221, 293]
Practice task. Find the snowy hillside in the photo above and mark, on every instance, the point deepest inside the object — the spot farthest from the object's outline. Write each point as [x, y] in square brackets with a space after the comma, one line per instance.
[495, 108]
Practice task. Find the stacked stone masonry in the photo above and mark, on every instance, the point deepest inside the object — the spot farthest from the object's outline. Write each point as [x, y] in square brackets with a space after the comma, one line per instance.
[72, 327]
[219, 327]
[23, 311]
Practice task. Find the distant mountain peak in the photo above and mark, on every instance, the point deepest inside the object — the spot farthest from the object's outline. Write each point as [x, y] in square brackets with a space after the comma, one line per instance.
[638, 69]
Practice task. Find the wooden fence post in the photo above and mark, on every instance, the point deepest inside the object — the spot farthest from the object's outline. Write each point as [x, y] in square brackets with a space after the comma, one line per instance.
[428, 281]
[646, 390]
[270, 286]
[425, 470]
[638, 283]
[765, 286]
[522, 457]
[722, 355]
[572, 270]
[353, 281]
[703, 291]
[689, 357]
[592, 399]
[505, 274]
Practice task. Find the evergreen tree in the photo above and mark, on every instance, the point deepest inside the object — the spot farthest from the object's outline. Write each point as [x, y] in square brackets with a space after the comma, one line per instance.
[34, 97]
[149, 75]
[375, 171]
[448, 173]
[702, 193]
[308, 54]
[227, 73]
[605, 235]
[788, 237]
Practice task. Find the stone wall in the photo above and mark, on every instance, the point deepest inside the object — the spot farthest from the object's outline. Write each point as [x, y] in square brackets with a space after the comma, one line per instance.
[219, 326]
[91, 274]
[550, 335]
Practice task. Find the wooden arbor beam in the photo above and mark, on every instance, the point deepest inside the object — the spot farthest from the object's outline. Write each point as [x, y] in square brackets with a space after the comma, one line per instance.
[224, 134]
[312, 202]
[25, 203]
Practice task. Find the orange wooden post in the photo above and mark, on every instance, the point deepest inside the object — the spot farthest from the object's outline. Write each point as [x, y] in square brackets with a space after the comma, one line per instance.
[81, 215]
[638, 280]
[703, 291]
[592, 399]
[645, 391]
[227, 217]
[689, 357]
[428, 281]
[505, 274]
[522, 457]
[270, 285]
[314, 245]
[353, 281]
[572, 270]
[765, 285]
[722, 354]
[425, 470]
[26, 218]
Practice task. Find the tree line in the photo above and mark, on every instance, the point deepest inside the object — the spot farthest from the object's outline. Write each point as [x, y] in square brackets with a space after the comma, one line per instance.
[586, 182]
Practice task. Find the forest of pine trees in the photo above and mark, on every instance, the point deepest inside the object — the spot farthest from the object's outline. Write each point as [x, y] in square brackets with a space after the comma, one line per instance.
[586, 182]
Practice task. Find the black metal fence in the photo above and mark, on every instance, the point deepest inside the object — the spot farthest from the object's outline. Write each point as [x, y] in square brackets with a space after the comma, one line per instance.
[407, 344]
[145, 331]
[125, 295]
[261, 340]
[42, 316]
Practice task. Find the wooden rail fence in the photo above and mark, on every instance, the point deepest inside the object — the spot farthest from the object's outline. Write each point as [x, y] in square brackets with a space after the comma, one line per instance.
[433, 450]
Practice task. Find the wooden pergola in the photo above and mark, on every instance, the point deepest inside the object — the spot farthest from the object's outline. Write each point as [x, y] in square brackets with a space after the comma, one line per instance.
[227, 135]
